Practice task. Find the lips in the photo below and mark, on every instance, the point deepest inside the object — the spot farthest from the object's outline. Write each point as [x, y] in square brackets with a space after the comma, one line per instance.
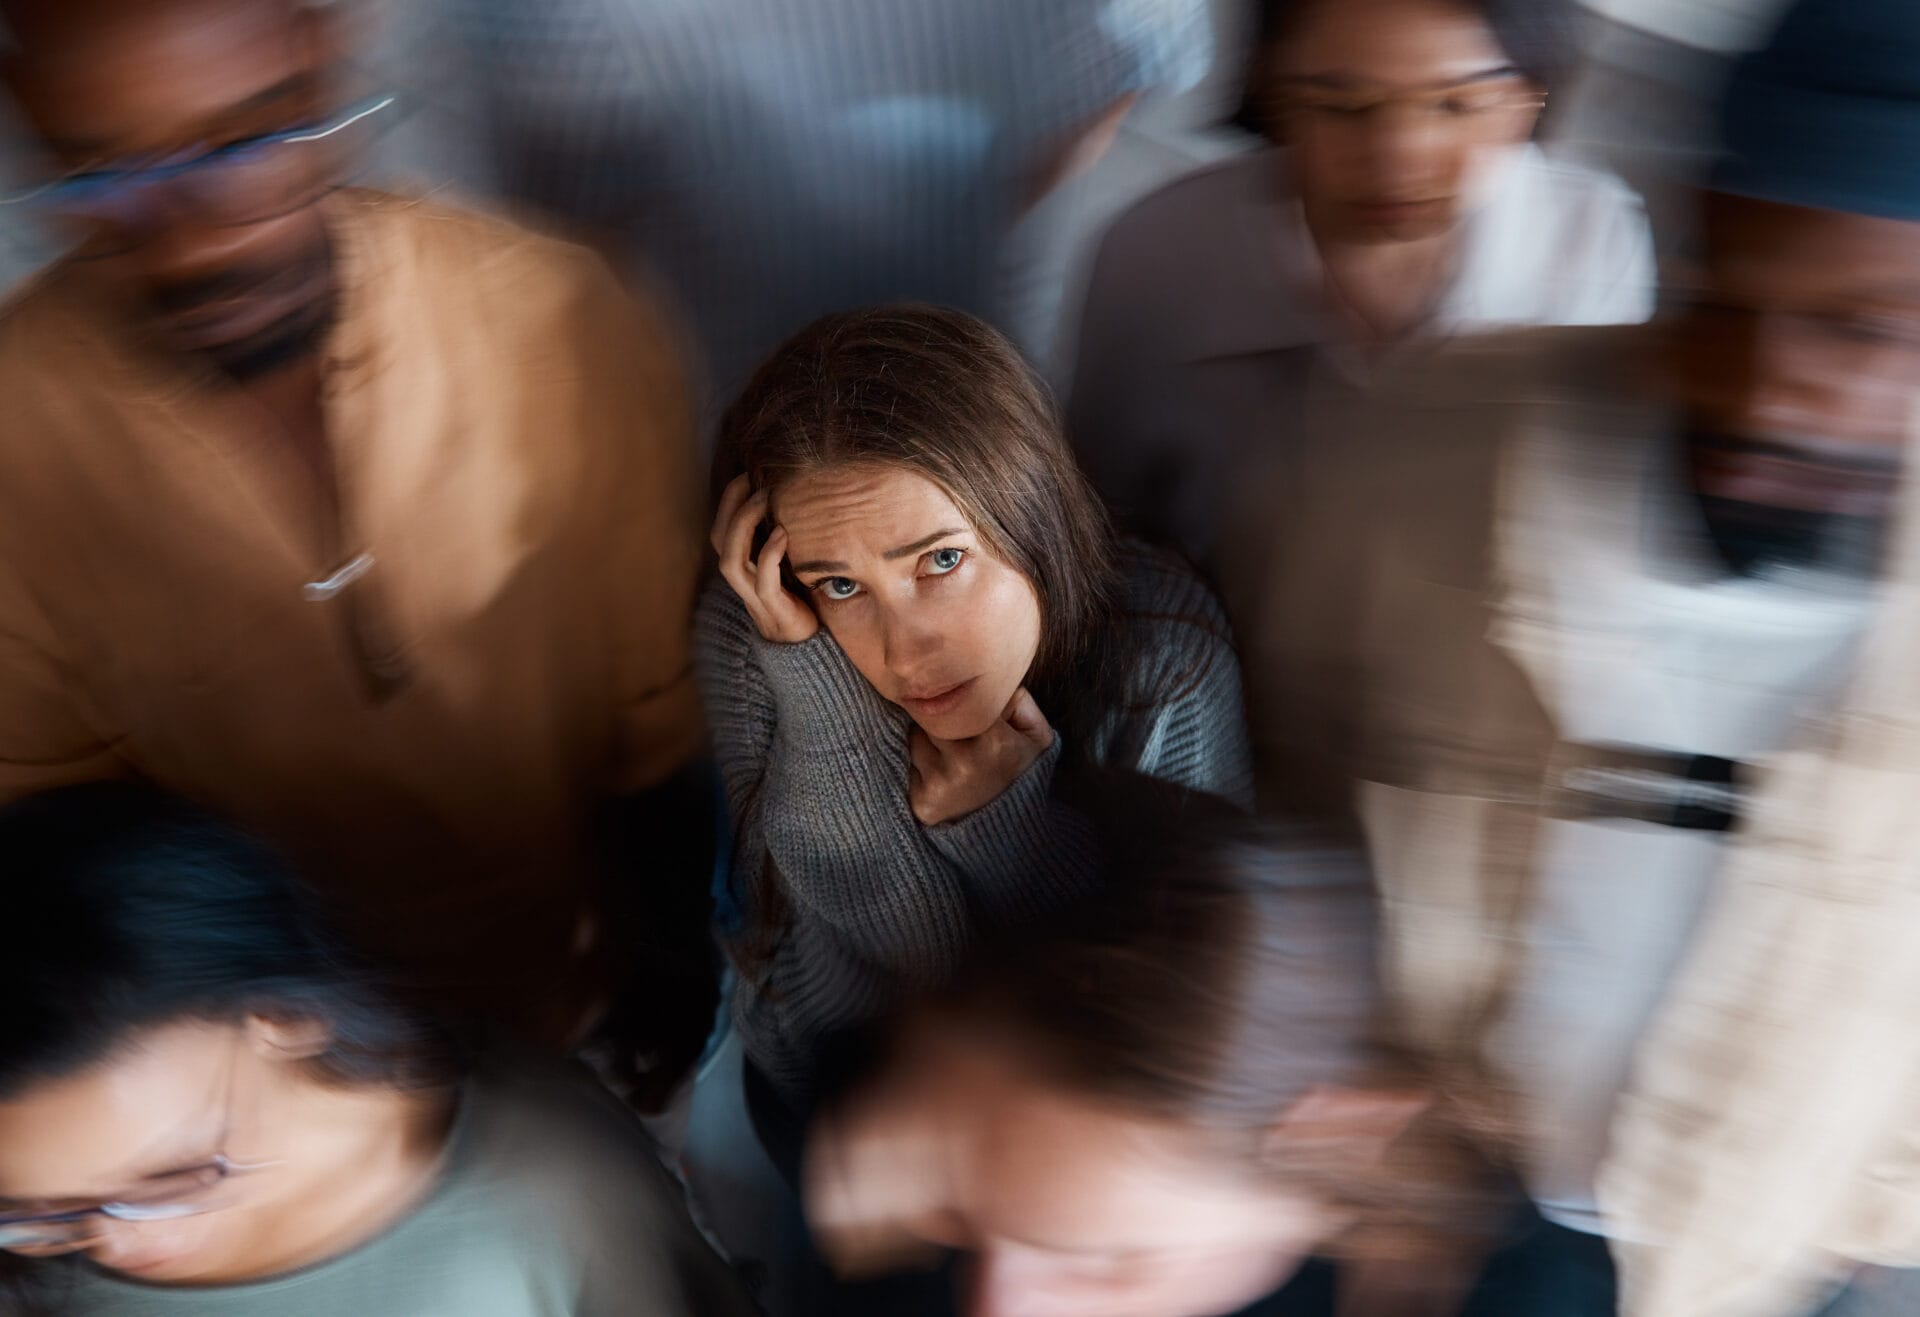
[247, 308]
[1399, 212]
[1787, 482]
[939, 700]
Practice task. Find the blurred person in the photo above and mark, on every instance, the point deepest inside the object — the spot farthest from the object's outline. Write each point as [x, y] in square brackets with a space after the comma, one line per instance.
[1401, 200]
[1605, 638]
[206, 1109]
[1161, 1104]
[923, 618]
[775, 162]
[1643, 98]
[368, 522]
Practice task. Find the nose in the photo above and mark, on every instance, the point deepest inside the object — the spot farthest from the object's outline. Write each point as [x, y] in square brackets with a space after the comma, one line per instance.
[175, 245]
[1400, 144]
[1750, 377]
[910, 638]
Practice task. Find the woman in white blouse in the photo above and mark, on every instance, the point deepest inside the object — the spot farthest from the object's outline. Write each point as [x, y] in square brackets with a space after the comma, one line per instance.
[1401, 200]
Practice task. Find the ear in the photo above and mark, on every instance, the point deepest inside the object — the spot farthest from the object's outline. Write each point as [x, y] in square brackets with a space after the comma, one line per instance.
[1350, 1126]
[289, 1038]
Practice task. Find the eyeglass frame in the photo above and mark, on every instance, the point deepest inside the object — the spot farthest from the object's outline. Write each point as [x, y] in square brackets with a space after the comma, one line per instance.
[225, 1169]
[168, 168]
[1513, 93]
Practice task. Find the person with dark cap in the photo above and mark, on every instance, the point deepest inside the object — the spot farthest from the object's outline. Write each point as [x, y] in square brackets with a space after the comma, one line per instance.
[1606, 639]
[362, 519]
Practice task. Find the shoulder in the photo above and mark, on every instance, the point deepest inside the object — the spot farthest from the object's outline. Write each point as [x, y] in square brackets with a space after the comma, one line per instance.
[1571, 192]
[43, 317]
[1178, 230]
[560, 1154]
[528, 284]
[1567, 244]
[1177, 632]
[1160, 583]
[1525, 367]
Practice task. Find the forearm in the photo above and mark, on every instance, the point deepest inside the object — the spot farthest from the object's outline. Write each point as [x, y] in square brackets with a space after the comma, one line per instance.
[815, 765]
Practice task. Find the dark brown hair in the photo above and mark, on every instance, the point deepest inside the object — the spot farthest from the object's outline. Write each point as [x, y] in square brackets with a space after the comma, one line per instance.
[1222, 969]
[945, 396]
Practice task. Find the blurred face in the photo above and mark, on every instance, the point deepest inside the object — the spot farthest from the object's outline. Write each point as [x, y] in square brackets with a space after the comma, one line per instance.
[1397, 114]
[235, 270]
[1800, 368]
[1065, 1205]
[144, 1132]
[928, 614]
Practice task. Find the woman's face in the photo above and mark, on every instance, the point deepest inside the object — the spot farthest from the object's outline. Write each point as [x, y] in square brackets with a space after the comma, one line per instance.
[1064, 1205]
[936, 622]
[1397, 113]
[146, 1129]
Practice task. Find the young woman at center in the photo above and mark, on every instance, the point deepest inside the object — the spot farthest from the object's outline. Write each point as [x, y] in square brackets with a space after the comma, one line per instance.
[924, 619]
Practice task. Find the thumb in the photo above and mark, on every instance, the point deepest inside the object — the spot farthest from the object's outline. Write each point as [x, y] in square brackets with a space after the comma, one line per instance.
[1024, 716]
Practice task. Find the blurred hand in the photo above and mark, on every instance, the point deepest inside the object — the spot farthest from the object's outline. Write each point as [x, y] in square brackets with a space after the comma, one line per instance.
[779, 614]
[952, 778]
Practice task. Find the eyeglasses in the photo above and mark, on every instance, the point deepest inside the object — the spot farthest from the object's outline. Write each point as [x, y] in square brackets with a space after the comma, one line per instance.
[1468, 106]
[193, 1191]
[239, 183]
[185, 1193]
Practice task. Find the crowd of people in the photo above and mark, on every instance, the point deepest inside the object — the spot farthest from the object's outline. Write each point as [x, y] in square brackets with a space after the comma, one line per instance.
[1383, 795]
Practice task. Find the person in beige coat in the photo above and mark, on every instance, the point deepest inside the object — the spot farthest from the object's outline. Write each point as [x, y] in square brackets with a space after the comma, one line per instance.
[1606, 640]
[366, 521]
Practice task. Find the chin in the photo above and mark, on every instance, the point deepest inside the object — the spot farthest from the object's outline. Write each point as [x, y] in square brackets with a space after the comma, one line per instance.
[959, 724]
[174, 1270]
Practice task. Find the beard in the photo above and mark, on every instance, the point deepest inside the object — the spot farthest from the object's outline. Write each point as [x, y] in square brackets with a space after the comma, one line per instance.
[1752, 539]
[291, 337]
[282, 343]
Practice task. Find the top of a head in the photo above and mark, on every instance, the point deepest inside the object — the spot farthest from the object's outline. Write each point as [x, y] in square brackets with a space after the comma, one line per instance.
[902, 384]
[1826, 114]
[1221, 967]
[25, 24]
[128, 909]
[1540, 37]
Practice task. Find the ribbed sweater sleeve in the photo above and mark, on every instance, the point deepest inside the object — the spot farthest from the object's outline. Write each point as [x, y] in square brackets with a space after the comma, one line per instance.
[815, 765]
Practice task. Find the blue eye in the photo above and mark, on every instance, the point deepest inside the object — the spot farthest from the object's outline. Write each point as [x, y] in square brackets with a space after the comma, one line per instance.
[942, 561]
[838, 587]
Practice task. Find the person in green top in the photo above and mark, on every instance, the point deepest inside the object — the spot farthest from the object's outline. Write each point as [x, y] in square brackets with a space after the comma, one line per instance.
[207, 1108]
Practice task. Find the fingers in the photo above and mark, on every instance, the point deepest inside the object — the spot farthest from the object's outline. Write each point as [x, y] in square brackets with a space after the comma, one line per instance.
[1024, 716]
[737, 492]
[766, 573]
[923, 754]
[736, 547]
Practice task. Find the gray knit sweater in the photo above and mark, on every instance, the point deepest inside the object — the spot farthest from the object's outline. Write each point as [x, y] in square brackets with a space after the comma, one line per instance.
[815, 765]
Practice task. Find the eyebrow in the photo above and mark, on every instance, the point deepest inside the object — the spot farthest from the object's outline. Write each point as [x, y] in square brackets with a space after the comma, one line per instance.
[260, 100]
[891, 555]
[1348, 82]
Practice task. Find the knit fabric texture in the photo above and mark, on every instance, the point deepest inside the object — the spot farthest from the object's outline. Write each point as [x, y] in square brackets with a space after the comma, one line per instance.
[815, 763]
